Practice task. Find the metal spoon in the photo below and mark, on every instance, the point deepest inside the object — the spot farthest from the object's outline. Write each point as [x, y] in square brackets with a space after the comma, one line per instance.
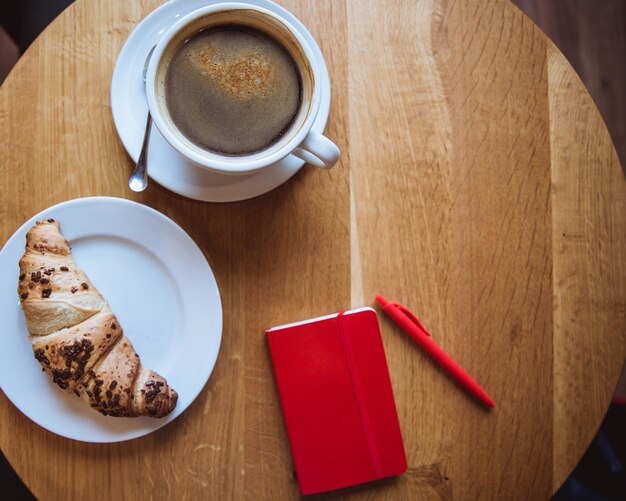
[139, 178]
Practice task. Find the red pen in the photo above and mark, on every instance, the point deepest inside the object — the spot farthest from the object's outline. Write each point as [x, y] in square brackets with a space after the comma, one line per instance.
[410, 324]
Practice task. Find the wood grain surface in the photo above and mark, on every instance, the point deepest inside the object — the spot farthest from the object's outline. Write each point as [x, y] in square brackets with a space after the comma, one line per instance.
[478, 185]
[592, 35]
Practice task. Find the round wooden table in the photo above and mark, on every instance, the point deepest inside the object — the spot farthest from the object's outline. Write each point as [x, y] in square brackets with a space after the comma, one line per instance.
[478, 185]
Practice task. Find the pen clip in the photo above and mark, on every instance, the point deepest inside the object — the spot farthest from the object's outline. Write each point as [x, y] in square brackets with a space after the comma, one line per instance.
[413, 318]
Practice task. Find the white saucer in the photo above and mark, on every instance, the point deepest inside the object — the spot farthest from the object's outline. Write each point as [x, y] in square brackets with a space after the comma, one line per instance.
[160, 287]
[165, 165]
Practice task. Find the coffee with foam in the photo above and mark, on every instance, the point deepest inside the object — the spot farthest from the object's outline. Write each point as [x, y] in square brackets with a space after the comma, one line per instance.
[232, 89]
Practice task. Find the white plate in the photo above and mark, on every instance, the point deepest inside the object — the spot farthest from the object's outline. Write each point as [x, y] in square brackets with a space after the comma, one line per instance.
[159, 285]
[165, 165]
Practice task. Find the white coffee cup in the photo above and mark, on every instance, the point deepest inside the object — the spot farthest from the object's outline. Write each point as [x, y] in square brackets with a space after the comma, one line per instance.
[299, 140]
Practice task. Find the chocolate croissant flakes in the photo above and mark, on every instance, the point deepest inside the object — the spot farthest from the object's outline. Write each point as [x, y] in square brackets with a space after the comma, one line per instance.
[76, 337]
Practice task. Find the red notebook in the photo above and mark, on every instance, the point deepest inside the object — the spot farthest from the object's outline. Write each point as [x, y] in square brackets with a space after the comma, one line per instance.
[337, 401]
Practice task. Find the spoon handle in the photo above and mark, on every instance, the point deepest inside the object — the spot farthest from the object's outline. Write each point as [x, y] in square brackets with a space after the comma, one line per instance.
[139, 179]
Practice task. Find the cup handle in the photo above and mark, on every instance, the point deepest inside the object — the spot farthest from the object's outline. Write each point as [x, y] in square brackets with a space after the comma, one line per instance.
[318, 150]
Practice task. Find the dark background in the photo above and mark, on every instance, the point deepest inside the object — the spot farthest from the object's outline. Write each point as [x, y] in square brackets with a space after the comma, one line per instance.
[592, 35]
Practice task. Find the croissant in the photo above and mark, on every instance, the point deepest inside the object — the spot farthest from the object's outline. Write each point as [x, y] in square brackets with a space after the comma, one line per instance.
[76, 337]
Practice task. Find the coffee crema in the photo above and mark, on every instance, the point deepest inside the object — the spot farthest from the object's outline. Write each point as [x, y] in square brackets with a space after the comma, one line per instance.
[232, 89]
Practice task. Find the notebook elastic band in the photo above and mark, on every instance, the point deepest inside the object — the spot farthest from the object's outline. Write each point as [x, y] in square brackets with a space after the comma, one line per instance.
[358, 391]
